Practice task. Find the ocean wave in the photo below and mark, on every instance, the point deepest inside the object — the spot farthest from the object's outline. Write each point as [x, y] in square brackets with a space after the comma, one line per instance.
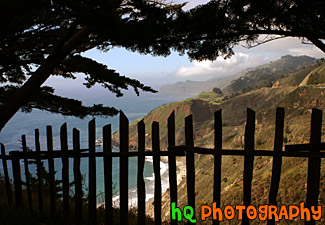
[133, 194]
[148, 159]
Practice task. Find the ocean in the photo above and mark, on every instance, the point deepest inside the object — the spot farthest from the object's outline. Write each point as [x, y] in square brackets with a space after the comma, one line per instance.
[133, 106]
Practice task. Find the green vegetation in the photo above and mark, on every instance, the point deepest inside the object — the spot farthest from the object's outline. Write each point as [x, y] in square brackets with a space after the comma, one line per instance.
[297, 78]
[317, 76]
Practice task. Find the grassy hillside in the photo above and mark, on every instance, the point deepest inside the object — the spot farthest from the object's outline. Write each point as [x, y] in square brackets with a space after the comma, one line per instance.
[317, 76]
[297, 101]
[294, 92]
[264, 101]
[201, 109]
[297, 78]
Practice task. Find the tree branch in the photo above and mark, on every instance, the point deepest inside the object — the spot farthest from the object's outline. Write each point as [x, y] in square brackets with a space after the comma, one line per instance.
[317, 42]
[65, 46]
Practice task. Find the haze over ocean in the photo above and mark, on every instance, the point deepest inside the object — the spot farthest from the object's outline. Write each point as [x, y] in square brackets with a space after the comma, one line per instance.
[133, 106]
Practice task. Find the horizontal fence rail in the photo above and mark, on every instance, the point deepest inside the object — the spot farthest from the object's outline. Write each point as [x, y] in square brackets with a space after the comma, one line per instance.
[314, 151]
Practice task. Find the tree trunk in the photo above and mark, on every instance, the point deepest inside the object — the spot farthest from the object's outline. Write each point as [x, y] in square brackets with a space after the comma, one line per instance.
[64, 48]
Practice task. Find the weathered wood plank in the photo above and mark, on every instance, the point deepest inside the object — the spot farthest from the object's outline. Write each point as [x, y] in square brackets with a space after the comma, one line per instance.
[65, 171]
[140, 179]
[277, 159]
[190, 165]
[27, 175]
[77, 178]
[178, 151]
[17, 178]
[172, 163]
[39, 172]
[6, 174]
[209, 151]
[124, 169]
[108, 179]
[156, 169]
[305, 147]
[92, 173]
[217, 160]
[314, 163]
[49, 137]
[248, 160]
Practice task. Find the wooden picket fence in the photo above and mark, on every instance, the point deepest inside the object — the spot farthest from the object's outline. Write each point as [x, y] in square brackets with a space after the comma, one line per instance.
[312, 151]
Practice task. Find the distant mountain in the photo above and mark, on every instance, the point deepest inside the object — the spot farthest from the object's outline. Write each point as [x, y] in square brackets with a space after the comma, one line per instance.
[252, 78]
[196, 87]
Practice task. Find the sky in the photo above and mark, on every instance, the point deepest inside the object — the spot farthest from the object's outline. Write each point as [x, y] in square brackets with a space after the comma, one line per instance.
[156, 71]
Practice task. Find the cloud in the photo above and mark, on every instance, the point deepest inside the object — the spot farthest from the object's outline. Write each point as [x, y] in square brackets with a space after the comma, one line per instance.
[192, 3]
[245, 58]
[285, 46]
[220, 67]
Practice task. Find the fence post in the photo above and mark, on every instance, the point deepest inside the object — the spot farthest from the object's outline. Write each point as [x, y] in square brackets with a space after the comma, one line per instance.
[314, 163]
[39, 172]
[140, 184]
[77, 177]
[277, 159]
[190, 165]
[92, 172]
[156, 168]
[51, 170]
[65, 171]
[248, 160]
[108, 179]
[5, 171]
[217, 160]
[124, 169]
[172, 163]
[29, 194]
[17, 177]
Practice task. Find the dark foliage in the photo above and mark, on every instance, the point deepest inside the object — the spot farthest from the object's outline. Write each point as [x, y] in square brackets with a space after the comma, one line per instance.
[43, 38]
[215, 28]
[217, 91]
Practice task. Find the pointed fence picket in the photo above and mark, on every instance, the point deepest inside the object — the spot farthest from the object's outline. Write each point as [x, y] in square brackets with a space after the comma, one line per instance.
[313, 151]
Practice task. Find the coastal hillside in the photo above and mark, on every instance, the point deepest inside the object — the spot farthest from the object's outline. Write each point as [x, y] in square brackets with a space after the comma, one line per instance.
[301, 77]
[251, 78]
[297, 99]
[263, 100]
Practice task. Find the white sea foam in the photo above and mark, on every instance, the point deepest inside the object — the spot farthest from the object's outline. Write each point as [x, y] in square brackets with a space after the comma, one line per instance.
[152, 178]
[132, 196]
[148, 159]
[151, 181]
